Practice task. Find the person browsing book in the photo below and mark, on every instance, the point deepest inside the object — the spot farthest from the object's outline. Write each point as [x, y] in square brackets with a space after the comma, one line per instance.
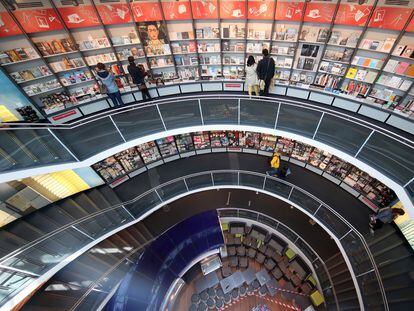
[138, 75]
[252, 81]
[108, 84]
[265, 72]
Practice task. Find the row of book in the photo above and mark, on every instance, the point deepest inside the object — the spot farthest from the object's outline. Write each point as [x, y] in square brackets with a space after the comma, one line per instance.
[126, 52]
[130, 38]
[56, 46]
[333, 68]
[30, 74]
[394, 82]
[367, 62]
[93, 43]
[100, 58]
[67, 64]
[181, 35]
[344, 38]
[41, 87]
[378, 45]
[186, 60]
[17, 55]
[75, 77]
[362, 75]
[184, 47]
[399, 67]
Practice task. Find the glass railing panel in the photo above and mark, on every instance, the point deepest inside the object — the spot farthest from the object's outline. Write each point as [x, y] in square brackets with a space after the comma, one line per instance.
[250, 180]
[268, 221]
[258, 113]
[43, 256]
[322, 274]
[357, 253]
[143, 204]
[305, 249]
[410, 189]
[11, 281]
[105, 222]
[181, 114]
[339, 133]
[225, 179]
[171, 190]
[247, 214]
[298, 120]
[228, 213]
[199, 181]
[277, 187]
[287, 232]
[368, 283]
[330, 220]
[219, 111]
[304, 201]
[139, 122]
[91, 138]
[392, 158]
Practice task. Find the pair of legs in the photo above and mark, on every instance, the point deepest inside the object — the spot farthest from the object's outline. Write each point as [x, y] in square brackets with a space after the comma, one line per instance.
[116, 99]
[274, 172]
[374, 224]
[266, 89]
[251, 88]
[145, 93]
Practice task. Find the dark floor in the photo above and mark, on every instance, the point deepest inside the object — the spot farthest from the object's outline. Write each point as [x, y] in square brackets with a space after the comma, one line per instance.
[347, 205]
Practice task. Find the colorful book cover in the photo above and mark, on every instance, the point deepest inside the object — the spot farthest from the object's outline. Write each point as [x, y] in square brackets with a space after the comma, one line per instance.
[401, 68]
[351, 73]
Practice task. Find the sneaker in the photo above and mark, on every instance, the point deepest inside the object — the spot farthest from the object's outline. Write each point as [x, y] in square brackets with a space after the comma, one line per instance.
[267, 173]
[372, 231]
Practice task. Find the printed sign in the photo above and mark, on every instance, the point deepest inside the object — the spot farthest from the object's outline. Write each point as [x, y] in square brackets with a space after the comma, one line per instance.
[289, 11]
[204, 9]
[38, 20]
[352, 14]
[176, 10]
[233, 9]
[114, 13]
[319, 12]
[389, 18]
[79, 16]
[7, 25]
[146, 11]
[261, 9]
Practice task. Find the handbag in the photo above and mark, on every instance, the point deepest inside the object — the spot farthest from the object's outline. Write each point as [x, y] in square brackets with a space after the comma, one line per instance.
[262, 83]
[102, 88]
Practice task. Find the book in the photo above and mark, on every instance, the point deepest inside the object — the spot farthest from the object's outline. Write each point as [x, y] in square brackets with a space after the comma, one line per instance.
[370, 76]
[387, 45]
[401, 68]
[351, 73]
[391, 65]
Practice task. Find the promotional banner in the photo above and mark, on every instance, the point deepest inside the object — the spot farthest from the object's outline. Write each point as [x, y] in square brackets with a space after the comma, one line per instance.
[79, 16]
[38, 20]
[261, 9]
[289, 10]
[353, 14]
[146, 11]
[204, 9]
[319, 12]
[7, 25]
[410, 26]
[233, 9]
[114, 13]
[390, 17]
[176, 10]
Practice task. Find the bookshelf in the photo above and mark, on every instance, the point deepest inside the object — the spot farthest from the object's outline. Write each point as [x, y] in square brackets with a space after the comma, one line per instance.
[364, 56]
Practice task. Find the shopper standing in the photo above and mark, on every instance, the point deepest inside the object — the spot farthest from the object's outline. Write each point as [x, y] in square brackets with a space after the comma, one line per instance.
[252, 80]
[265, 72]
[109, 85]
[384, 216]
[138, 75]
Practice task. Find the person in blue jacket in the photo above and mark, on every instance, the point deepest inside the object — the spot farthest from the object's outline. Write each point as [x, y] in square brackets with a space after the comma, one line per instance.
[107, 79]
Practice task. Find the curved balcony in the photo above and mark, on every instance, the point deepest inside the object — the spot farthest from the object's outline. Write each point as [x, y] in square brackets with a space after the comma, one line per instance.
[379, 152]
[38, 261]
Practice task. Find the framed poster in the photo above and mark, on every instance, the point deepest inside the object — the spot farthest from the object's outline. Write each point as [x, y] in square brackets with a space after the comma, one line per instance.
[154, 38]
[204, 9]
[146, 11]
[261, 9]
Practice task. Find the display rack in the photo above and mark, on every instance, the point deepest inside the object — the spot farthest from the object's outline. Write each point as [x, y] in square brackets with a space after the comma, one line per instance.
[358, 54]
[128, 163]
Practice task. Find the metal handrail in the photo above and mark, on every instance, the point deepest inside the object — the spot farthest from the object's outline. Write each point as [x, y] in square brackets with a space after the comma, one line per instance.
[212, 172]
[297, 235]
[281, 100]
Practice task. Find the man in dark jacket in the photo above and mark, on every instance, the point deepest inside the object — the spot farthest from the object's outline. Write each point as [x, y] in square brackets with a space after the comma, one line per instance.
[138, 77]
[266, 70]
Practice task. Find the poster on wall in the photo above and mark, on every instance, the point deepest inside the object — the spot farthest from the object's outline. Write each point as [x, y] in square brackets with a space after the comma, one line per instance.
[114, 13]
[204, 9]
[146, 11]
[40, 19]
[7, 25]
[261, 9]
[289, 10]
[154, 37]
[233, 9]
[393, 18]
[82, 15]
[353, 14]
[176, 9]
[319, 11]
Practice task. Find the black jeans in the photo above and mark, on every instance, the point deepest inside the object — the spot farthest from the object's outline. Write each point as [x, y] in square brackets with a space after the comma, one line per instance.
[266, 89]
[145, 93]
[116, 99]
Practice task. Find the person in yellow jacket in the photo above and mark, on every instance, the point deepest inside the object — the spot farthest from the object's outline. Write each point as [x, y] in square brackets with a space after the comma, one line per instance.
[274, 165]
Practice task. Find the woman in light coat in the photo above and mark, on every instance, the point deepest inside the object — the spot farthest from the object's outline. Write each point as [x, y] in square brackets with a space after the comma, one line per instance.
[252, 80]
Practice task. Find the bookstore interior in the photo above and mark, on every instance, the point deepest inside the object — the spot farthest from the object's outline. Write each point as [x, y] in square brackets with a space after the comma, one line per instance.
[362, 49]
